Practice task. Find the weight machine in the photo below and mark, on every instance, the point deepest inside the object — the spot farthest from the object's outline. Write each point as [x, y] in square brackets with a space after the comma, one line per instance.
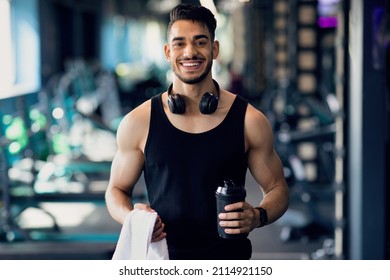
[285, 107]
[67, 140]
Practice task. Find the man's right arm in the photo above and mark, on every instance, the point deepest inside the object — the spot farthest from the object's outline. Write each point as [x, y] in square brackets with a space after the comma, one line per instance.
[128, 162]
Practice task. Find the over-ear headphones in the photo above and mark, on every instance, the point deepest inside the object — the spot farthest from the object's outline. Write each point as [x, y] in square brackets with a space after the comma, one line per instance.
[207, 105]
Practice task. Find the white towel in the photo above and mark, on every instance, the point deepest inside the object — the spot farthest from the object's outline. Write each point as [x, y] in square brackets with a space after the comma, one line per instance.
[134, 239]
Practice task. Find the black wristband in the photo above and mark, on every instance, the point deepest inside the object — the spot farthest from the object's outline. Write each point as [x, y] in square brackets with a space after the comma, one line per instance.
[263, 216]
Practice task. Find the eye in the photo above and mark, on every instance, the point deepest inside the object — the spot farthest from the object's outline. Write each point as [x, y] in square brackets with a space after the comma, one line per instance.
[201, 43]
[178, 44]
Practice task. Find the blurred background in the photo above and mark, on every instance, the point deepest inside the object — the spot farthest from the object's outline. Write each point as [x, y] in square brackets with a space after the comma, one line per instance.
[71, 69]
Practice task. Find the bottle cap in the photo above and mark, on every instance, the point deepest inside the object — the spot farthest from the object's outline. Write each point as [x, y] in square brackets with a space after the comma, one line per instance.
[230, 188]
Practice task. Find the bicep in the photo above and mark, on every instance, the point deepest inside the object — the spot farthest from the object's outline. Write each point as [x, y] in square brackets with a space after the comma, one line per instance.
[128, 161]
[126, 169]
[266, 168]
[263, 161]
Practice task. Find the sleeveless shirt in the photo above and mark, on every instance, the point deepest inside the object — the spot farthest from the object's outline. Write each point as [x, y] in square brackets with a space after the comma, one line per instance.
[182, 171]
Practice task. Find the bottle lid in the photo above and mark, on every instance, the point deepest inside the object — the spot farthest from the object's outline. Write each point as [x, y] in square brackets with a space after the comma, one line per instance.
[229, 187]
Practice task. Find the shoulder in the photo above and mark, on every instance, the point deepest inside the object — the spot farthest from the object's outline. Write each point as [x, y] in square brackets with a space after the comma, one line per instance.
[227, 99]
[255, 117]
[258, 130]
[134, 126]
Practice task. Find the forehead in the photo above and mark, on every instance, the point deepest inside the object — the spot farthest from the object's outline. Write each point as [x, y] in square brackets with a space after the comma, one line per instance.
[187, 29]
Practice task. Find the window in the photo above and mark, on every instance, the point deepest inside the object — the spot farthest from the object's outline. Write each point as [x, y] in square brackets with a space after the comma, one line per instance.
[20, 55]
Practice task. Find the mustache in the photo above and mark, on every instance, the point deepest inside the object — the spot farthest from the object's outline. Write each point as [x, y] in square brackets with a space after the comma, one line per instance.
[192, 58]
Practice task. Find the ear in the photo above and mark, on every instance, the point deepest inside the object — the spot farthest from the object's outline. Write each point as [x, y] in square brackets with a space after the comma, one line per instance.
[167, 52]
[215, 49]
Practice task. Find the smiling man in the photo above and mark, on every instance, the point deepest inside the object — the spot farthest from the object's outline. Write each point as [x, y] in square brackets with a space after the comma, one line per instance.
[188, 141]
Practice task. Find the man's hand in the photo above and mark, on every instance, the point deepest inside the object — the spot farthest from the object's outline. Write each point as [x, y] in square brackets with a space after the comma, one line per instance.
[158, 231]
[239, 222]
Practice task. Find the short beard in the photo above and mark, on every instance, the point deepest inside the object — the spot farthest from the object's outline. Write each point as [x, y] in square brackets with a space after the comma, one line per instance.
[192, 81]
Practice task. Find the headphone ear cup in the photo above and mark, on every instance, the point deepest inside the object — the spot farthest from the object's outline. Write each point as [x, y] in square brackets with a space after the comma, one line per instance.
[208, 104]
[176, 104]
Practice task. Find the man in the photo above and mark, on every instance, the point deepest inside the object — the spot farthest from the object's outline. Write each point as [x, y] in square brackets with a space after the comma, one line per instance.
[187, 141]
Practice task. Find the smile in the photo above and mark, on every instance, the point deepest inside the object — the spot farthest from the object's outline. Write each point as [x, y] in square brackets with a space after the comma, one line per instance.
[190, 64]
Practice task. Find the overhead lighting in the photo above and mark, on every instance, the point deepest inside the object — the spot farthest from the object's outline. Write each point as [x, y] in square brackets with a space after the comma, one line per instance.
[162, 6]
[209, 4]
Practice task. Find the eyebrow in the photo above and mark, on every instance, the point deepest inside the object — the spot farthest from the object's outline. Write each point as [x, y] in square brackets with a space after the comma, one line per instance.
[196, 37]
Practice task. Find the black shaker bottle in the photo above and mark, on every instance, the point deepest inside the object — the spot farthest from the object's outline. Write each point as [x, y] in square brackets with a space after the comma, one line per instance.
[227, 194]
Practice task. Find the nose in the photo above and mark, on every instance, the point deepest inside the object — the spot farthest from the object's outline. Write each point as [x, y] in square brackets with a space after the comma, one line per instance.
[190, 51]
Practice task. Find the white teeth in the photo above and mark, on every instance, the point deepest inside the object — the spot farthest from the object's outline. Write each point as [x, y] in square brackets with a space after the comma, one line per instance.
[190, 64]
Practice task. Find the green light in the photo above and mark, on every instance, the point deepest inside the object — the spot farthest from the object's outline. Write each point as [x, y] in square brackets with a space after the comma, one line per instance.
[15, 148]
[60, 144]
[16, 129]
[7, 119]
[17, 132]
[38, 118]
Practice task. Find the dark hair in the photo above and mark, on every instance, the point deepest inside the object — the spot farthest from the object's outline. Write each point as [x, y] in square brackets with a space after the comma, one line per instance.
[192, 12]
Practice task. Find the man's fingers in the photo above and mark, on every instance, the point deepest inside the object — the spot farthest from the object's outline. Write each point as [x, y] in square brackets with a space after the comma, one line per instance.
[142, 206]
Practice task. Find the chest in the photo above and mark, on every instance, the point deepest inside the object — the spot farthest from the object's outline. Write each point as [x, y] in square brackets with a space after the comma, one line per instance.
[196, 123]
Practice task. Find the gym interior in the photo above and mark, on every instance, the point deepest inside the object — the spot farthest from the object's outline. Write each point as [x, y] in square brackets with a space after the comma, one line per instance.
[318, 69]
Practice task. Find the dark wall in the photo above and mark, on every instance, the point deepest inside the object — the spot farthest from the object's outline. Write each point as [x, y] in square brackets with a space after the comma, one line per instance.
[368, 217]
[69, 29]
[387, 125]
[374, 135]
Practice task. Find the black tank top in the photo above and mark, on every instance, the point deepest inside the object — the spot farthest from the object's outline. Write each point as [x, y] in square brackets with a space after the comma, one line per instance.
[182, 172]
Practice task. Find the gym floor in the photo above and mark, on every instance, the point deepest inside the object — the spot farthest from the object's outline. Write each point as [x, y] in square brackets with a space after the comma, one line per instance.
[86, 231]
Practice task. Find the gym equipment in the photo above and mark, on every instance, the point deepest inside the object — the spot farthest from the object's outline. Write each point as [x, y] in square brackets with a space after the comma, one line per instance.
[82, 142]
[62, 148]
[285, 108]
[18, 171]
